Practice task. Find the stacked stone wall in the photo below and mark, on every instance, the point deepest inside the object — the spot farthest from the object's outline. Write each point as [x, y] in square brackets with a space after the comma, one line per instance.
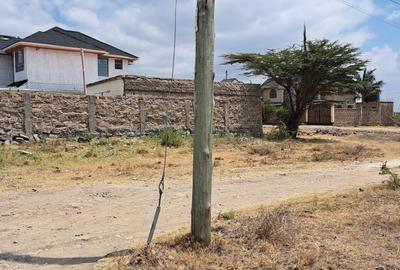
[148, 105]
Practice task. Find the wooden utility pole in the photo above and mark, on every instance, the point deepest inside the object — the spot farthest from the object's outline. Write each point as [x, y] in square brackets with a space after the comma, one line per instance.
[204, 104]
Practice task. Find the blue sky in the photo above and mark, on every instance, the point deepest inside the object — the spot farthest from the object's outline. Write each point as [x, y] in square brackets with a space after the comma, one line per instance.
[144, 28]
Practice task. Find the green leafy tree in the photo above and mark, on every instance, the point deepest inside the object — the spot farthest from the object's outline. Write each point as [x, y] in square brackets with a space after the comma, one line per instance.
[305, 71]
[368, 85]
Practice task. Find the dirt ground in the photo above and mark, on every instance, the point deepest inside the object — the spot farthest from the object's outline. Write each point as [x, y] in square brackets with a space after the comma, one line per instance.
[356, 229]
[60, 164]
[66, 205]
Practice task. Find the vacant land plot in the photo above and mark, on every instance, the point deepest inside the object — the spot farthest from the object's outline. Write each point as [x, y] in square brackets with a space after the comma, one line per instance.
[353, 230]
[64, 204]
[60, 163]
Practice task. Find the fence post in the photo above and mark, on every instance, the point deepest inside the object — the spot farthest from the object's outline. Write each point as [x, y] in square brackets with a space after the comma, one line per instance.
[226, 116]
[142, 116]
[380, 113]
[92, 114]
[27, 122]
[187, 115]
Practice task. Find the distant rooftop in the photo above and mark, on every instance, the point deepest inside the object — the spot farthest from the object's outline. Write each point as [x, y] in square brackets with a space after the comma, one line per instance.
[6, 41]
[66, 38]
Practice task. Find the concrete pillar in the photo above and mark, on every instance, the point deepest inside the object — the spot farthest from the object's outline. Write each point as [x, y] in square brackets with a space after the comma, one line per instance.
[187, 115]
[142, 116]
[92, 114]
[27, 122]
[226, 117]
[380, 113]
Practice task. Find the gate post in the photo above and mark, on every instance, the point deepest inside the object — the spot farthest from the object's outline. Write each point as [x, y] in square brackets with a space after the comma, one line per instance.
[27, 114]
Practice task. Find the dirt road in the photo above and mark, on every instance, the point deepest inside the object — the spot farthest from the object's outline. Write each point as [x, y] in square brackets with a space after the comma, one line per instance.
[75, 227]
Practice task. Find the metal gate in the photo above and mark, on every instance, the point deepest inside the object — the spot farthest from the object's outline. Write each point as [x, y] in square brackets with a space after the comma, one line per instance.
[320, 114]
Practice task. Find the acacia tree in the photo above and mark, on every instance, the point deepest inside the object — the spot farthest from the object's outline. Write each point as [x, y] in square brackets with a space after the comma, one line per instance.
[368, 85]
[305, 71]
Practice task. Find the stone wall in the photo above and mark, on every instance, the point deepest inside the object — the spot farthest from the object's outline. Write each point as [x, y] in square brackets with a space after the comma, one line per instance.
[347, 117]
[367, 114]
[237, 105]
[144, 109]
[387, 112]
[11, 113]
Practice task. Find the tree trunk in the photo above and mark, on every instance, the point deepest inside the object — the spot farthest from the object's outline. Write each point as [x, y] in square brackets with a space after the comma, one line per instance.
[293, 123]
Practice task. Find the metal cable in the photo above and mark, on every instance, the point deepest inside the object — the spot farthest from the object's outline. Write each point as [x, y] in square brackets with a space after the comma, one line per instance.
[161, 185]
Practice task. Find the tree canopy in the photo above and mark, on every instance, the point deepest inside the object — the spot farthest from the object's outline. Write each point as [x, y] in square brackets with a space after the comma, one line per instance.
[368, 85]
[305, 71]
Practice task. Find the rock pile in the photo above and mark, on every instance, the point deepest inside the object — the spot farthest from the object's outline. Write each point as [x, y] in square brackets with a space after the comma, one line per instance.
[19, 138]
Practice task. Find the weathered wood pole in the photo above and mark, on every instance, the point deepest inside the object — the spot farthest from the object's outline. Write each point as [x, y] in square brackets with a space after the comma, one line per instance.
[204, 103]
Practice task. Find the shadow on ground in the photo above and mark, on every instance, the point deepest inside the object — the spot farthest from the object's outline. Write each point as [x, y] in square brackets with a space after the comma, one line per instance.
[27, 259]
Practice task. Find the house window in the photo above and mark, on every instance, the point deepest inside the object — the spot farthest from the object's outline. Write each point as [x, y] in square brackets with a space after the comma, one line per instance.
[19, 60]
[102, 65]
[118, 64]
[273, 94]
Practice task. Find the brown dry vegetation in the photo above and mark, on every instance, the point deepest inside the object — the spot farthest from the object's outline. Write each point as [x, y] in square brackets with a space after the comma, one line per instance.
[359, 229]
[61, 163]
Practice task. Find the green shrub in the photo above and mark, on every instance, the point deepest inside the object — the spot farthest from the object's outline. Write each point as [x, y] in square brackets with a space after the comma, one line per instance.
[227, 215]
[394, 180]
[277, 134]
[171, 138]
[86, 137]
[281, 113]
[268, 112]
[396, 119]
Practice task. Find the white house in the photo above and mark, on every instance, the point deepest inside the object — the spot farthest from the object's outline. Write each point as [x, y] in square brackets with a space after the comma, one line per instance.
[59, 60]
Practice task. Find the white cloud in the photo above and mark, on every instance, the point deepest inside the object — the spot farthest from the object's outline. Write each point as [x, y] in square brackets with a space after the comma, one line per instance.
[81, 17]
[145, 28]
[393, 16]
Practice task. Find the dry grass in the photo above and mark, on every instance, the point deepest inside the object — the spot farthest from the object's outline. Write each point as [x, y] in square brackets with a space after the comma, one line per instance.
[61, 163]
[355, 230]
[344, 152]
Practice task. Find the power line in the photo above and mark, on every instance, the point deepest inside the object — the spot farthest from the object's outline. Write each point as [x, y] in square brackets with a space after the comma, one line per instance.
[161, 184]
[396, 2]
[364, 11]
[174, 49]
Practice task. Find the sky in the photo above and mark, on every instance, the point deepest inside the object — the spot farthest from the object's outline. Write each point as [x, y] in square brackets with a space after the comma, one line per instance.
[145, 28]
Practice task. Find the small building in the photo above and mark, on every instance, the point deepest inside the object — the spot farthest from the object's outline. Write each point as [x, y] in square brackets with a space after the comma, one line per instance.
[334, 109]
[272, 92]
[275, 94]
[59, 60]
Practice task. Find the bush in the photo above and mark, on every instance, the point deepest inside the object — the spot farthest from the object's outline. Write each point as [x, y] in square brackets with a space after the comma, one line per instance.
[281, 114]
[396, 119]
[227, 215]
[273, 115]
[171, 138]
[394, 180]
[268, 113]
[262, 150]
[86, 137]
[277, 134]
[274, 225]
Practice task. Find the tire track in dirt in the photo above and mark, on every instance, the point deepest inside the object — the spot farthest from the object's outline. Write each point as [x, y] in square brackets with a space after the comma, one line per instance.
[75, 227]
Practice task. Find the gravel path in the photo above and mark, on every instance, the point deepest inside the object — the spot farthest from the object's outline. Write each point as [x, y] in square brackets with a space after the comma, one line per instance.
[75, 227]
